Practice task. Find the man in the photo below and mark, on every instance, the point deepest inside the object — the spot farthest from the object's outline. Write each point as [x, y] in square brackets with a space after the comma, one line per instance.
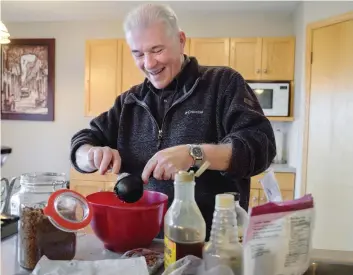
[180, 116]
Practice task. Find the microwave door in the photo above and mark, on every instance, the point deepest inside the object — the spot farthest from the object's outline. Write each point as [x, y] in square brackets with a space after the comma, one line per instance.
[281, 101]
[273, 98]
[265, 98]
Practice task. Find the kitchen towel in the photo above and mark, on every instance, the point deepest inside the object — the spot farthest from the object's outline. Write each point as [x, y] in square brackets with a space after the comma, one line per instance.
[131, 266]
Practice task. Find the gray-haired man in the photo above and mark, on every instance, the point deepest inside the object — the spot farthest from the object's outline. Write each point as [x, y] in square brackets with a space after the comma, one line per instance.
[181, 115]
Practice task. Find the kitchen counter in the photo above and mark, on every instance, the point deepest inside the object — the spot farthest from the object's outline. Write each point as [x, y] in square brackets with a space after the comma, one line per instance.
[90, 248]
[282, 168]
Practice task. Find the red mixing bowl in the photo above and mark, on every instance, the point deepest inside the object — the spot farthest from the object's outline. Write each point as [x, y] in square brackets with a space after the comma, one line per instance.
[123, 226]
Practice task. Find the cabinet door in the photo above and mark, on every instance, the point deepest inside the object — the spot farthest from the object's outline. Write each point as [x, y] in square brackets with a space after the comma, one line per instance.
[95, 177]
[254, 197]
[278, 58]
[102, 79]
[262, 197]
[109, 186]
[245, 57]
[86, 188]
[130, 74]
[210, 51]
[187, 46]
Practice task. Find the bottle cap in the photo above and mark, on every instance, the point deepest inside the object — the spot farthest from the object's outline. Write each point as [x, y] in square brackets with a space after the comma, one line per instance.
[183, 176]
[235, 194]
[224, 201]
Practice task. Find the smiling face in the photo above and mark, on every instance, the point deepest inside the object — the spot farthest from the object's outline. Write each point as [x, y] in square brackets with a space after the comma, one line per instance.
[158, 54]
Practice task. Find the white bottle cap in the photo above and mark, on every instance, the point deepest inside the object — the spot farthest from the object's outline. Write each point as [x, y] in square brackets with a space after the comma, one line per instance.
[224, 201]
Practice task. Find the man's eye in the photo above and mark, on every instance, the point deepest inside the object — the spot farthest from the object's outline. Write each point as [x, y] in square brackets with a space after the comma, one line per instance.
[138, 55]
[157, 50]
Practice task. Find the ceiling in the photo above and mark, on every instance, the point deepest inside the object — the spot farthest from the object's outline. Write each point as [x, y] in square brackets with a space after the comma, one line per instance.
[27, 11]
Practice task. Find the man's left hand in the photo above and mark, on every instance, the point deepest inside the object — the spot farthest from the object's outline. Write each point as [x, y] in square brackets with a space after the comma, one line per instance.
[166, 163]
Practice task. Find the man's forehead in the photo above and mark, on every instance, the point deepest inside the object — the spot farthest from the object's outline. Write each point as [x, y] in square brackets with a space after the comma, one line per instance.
[145, 39]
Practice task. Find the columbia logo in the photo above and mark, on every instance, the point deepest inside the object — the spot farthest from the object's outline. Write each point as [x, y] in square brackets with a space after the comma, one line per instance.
[193, 112]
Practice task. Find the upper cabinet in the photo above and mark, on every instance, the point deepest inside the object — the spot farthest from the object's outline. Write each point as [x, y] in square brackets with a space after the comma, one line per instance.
[130, 73]
[263, 58]
[110, 68]
[245, 57]
[277, 58]
[210, 51]
[102, 81]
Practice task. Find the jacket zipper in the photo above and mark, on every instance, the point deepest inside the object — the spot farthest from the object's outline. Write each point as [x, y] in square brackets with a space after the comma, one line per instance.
[160, 129]
[144, 105]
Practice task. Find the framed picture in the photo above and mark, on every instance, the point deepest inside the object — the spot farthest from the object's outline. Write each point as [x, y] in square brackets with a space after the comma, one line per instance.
[28, 79]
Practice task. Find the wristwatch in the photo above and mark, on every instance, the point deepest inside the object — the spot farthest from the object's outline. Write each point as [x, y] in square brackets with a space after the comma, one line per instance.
[196, 153]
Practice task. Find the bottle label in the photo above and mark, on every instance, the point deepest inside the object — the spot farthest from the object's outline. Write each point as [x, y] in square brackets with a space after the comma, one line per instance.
[169, 252]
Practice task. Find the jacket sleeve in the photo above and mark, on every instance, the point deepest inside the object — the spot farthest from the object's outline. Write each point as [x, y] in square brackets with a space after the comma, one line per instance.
[103, 131]
[245, 126]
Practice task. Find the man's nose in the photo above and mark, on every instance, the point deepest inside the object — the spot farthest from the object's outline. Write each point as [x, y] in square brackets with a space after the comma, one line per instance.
[150, 62]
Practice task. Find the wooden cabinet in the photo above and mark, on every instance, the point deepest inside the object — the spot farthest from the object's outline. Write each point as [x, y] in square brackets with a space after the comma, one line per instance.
[286, 182]
[210, 51]
[110, 68]
[130, 74]
[87, 184]
[263, 58]
[245, 57]
[277, 62]
[102, 79]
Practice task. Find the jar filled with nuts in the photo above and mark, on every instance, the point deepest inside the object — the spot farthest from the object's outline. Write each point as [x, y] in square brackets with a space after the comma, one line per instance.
[50, 216]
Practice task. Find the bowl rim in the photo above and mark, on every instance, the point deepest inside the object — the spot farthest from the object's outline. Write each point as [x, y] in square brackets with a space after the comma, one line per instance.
[127, 207]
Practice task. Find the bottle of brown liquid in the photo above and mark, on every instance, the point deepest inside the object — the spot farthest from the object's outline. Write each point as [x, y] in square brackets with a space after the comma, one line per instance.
[184, 225]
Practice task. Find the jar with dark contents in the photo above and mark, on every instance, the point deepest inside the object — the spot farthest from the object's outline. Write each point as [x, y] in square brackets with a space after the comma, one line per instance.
[47, 210]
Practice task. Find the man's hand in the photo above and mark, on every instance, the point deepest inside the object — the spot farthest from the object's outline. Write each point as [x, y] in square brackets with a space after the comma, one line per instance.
[104, 158]
[166, 163]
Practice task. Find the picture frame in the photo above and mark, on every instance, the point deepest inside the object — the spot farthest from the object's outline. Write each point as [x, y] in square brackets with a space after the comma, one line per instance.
[28, 79]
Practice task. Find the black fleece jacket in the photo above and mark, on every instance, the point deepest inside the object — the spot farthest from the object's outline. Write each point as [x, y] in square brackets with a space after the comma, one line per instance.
[213, 105]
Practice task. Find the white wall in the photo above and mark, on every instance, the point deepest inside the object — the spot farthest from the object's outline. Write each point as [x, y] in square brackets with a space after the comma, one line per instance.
[44, 146]
[306, 13]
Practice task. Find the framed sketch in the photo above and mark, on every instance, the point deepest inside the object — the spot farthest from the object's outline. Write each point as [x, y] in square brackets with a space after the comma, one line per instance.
[28, 79]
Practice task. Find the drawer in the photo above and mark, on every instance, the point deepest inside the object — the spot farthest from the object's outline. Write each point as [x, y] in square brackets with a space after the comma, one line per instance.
[75, 175]
[286, 181]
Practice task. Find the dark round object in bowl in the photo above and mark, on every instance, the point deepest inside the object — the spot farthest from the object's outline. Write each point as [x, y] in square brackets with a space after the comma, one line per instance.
[129, 189]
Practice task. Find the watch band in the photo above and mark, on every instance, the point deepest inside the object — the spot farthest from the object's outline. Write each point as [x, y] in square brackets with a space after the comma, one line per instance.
[196, 153]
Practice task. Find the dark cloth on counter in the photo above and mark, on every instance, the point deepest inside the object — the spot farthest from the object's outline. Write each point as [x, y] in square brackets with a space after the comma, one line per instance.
[207, 105]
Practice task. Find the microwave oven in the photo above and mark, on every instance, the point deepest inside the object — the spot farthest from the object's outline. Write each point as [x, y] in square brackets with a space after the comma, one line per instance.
[273, 97]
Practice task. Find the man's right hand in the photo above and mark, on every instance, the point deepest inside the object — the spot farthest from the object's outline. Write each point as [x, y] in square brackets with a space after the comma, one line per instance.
[103, 159]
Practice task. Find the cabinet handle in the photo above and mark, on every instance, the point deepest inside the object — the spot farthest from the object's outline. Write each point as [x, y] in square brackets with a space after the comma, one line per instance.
[265, 71]
[258, 71]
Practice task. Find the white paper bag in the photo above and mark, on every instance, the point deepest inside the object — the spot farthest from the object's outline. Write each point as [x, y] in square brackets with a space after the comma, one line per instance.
[132, 266]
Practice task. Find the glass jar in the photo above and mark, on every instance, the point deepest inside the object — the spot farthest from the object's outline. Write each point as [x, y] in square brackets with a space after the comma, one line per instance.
[50, 215]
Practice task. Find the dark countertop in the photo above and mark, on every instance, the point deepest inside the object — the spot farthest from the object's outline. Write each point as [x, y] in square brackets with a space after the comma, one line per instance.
[320, 268]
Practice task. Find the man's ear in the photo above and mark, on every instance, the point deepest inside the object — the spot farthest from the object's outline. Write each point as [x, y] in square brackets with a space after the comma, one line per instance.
[182, 41]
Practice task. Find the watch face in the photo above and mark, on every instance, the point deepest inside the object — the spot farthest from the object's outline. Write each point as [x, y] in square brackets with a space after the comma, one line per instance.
[197, 152]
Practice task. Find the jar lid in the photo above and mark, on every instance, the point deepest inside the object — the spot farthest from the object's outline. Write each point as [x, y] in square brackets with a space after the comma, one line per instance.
[183, 176]
[224, 201]
[68, 210]
[235, 194]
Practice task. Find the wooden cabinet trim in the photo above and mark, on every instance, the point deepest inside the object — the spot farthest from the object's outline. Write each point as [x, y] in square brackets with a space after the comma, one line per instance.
[286, 181]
